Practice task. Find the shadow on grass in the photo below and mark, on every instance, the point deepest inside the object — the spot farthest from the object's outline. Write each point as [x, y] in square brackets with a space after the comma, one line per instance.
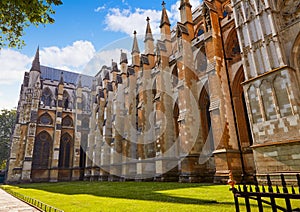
[132, 190]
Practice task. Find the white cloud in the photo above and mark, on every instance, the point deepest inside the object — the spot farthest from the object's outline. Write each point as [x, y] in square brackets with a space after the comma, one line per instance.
[104, 57]
[124, 20]
[13, 65]
[98, 9]
[73, 57]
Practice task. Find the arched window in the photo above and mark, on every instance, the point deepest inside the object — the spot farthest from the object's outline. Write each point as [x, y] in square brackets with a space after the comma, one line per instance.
[175, 76]
[84, 102]
[67, 121]
[254, 105]
[41, 151]
[46, 96]
[66, 100]
[204, 104]
[45, 119]
[267, 99]
[85, 123]
[154, 90]
[200, 32]
[65, 150]
[282, 96]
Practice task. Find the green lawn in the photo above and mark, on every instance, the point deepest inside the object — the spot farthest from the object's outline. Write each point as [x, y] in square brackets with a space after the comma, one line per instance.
[130, 196]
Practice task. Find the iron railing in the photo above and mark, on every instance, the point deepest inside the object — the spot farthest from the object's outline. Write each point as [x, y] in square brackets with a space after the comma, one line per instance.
[33, 202]
[267, 195]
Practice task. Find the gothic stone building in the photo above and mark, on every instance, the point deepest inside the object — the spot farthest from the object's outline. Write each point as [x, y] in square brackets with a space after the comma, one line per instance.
[219, 92]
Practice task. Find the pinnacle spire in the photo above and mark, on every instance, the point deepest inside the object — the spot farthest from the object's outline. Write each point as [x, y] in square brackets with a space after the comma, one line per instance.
[135, 47]
[36, 61]
[184, 3]
[148, 31]
[123, 58]
[164, 16]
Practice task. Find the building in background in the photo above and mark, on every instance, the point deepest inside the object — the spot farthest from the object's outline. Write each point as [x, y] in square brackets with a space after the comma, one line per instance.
[217, 93]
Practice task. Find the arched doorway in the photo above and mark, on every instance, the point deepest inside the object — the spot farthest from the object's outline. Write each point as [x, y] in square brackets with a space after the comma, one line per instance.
[242, 122]
[244, 131]
[204, 103]
[65, 157]
[41, 160]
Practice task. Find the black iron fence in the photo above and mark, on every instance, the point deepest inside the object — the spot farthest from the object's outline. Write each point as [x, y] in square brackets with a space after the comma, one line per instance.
[277, 197]
[33, 202]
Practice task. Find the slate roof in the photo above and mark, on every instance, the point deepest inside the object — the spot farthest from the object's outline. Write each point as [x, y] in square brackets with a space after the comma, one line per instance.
[68, 77]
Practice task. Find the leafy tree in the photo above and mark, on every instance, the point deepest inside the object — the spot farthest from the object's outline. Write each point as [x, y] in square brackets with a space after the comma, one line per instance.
[7, 121]
[16, 15]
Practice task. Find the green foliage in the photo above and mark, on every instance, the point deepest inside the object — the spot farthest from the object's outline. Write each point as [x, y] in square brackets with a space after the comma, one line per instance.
[16, 15]
[7, 121]
[3, 165]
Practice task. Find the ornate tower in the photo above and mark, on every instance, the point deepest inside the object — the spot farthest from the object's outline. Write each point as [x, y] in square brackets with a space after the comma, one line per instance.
[268, 33]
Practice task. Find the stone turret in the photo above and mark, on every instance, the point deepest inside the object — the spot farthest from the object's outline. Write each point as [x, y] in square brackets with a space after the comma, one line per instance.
[35, 71]
[135, 53]
[186, 17]
[165, 29]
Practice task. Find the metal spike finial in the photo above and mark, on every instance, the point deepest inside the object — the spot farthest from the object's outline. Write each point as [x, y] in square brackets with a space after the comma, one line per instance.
[163, 4]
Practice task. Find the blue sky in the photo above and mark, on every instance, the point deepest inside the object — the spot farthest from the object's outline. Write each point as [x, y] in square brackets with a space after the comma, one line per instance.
[82, 29]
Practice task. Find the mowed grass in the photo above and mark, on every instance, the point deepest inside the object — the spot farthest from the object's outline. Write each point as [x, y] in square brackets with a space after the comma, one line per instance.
[131, 196]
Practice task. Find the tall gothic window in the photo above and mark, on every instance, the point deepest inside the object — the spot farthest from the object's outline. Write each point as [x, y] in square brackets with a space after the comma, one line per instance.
[67, 121]
[282, 96]
[41, 151]
[46, 97]
[66, 100]
[45, 119]
[65, 150]
[175, 76]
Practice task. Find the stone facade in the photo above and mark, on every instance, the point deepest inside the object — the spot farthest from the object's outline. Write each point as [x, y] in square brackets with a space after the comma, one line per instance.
[217, 93]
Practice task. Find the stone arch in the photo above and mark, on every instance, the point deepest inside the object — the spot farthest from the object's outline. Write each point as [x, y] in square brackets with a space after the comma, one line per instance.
[205, 118]
[232, 49]
[201, 60]
[175, 119]
[240, 109]
[67, 121]
[282, 98]
[47, 97]
[295, 55]
[45, 119]
[200, 30]
[66, 100]
[227, 10]
[175, 76]
[267, 100]
[154, 88]
[42, 151]
[253, 99]
[65, 151]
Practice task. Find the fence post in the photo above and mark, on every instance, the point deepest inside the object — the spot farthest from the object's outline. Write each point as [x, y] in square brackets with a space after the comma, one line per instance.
[285, 190]
[232, 182]
[270, 189]
[259, 203]
[246, 193]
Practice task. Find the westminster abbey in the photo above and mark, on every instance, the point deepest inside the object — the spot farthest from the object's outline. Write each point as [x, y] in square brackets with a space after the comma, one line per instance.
[216, 93]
